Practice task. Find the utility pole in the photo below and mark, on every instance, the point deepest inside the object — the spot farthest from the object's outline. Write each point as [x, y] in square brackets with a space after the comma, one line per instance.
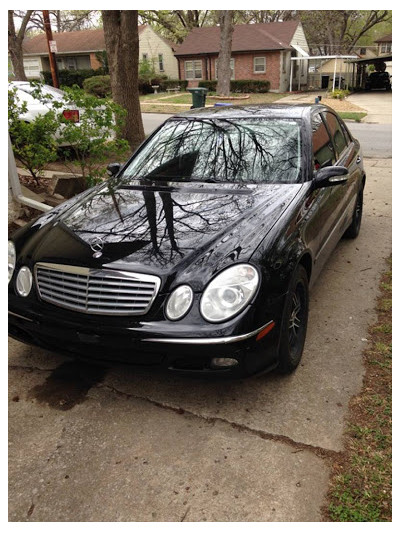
[50, 45]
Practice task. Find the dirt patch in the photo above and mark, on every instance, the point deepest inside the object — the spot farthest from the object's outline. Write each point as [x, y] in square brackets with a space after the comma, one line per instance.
[342, 105]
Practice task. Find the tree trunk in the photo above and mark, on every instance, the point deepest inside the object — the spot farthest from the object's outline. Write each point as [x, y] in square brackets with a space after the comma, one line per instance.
[224, 57]
[15, 45]
[122, 46]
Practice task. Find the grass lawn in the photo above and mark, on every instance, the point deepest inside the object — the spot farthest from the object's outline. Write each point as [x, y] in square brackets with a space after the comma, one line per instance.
[352, 116]
[360, 487]
[176, 103]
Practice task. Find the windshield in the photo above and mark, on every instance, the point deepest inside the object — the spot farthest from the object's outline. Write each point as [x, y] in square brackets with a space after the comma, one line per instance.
[222, 150]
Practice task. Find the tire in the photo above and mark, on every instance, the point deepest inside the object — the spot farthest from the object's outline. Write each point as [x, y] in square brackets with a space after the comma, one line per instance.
[294, 322]
[354, 229]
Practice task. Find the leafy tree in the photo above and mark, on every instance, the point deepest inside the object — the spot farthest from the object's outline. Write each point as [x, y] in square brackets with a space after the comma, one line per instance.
[146, 71]
[176, 24]
[62, 21]
[336, 32]
[263, 16]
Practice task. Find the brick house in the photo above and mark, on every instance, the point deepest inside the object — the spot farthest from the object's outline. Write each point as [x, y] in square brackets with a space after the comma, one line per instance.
[77, 50]
[259, 52]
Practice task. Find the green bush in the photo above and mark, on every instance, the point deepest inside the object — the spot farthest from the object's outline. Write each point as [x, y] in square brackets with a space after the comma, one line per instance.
[339, 94]
[99, 86]
[33, 143]
[96, 137]
[250, 86]
[211, 85]
[171, 84]
[69, 78]
[240, 86]
[88, 143]
[146, 86]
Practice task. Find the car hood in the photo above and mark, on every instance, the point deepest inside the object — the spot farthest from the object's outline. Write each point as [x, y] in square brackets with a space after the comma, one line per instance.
[189, 229]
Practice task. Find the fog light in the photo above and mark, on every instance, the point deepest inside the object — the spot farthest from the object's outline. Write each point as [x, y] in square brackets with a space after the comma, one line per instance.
[223, 362]
[24, 281]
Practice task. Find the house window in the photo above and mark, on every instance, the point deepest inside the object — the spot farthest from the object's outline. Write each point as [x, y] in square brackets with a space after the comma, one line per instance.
[386, 48]
[193, 70]
[363, 51]
[232, 63]
[161, 62]
[260, 65]
[66, 63]
[145, 57]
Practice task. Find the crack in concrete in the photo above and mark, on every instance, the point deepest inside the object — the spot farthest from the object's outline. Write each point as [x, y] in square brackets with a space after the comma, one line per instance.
[323, 453]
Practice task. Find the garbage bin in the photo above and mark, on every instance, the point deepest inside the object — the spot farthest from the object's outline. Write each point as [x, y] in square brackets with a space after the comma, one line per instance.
[198, 96]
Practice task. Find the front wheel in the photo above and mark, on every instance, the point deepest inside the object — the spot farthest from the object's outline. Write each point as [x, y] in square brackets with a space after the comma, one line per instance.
[294, 322]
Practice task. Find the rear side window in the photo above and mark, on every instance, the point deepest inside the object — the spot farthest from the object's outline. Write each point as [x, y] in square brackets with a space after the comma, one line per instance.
[336, 132]
[323, 151]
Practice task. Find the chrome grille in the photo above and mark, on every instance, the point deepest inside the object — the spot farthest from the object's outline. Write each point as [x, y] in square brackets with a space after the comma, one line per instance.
[101, 292]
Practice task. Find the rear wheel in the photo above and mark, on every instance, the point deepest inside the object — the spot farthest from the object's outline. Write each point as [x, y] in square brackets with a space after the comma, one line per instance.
[294, 322]
[354, 229]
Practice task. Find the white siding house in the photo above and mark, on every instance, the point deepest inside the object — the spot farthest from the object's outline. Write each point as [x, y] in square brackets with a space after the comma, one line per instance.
[299, 67]
[159, 51]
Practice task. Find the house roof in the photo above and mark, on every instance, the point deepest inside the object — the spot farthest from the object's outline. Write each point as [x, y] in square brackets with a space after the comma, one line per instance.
[385, 39]
[246, 38]
[69, 42]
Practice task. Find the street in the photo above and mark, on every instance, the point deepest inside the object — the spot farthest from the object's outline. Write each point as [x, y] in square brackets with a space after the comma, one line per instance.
[89, 443]
[375, 139]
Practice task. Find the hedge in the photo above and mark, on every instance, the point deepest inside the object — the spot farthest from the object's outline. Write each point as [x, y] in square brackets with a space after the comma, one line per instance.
[72, 77]
[146, 88]
[240, 86]
[99, 86]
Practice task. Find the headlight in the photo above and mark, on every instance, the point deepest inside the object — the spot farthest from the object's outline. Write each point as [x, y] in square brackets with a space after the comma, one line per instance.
[24, 281]
[11, 259]
[179, 302]
[228, 293]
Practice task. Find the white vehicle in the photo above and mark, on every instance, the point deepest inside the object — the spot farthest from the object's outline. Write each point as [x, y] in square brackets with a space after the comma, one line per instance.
[34, 106]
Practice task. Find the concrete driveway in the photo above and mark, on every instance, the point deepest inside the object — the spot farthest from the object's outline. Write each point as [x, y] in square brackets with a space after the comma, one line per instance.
[378, 104]
[118, 444]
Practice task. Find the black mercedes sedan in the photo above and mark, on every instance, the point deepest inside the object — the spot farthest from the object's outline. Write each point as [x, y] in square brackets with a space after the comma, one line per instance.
[197, 254]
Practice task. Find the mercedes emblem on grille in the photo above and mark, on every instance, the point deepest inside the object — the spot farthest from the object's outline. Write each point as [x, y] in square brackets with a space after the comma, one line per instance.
[97, 245]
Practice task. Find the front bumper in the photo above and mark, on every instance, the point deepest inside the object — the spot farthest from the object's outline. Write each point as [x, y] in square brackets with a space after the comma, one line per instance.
[144, 344]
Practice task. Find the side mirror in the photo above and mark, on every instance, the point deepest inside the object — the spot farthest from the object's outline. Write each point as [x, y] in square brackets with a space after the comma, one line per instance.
[330, 176]
[113, 169]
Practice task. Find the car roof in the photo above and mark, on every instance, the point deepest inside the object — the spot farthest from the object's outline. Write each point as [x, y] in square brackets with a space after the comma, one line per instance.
[295, 111]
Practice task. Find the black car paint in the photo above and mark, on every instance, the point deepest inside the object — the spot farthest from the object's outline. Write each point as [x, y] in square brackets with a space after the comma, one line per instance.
[273, 227]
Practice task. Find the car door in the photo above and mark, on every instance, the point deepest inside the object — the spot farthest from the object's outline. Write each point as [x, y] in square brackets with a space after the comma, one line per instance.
[344, 195]
[318, 205]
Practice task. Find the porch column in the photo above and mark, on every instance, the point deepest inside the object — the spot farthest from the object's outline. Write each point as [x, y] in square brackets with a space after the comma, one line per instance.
[299, 69]
[291, 76]
[334, 75]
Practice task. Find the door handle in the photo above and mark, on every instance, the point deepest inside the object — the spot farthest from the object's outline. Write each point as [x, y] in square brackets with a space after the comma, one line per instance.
[358, 160]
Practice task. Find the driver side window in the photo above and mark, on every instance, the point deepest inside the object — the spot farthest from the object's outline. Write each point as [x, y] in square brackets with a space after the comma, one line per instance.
[323, 151]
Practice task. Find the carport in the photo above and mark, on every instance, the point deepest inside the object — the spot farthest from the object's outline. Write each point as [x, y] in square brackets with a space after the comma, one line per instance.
[348, 74]
[360, 65]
